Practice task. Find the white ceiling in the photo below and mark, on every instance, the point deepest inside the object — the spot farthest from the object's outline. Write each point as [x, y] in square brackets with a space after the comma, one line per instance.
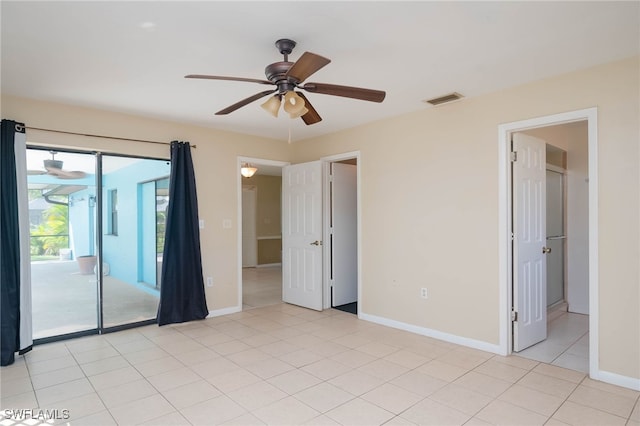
[131, 57]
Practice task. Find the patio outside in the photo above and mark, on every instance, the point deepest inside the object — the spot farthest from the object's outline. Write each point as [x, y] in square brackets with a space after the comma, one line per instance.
[64, 300]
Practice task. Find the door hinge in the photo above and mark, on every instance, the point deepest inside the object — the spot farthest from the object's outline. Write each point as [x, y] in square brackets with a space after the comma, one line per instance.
[514, 316]
[514, 156]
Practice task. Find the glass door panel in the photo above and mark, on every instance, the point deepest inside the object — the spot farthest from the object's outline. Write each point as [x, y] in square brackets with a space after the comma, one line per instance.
[62, 216]
[162, 202]
[130, 208]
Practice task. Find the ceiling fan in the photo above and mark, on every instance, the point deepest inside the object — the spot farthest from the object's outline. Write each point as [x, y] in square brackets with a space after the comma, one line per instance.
[53, 167]
[289, 76]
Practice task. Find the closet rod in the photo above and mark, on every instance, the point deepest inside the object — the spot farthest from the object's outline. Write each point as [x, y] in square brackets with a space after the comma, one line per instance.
[101, 136]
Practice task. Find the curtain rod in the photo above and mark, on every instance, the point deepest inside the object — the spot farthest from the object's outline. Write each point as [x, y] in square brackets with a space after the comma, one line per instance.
[102, 136]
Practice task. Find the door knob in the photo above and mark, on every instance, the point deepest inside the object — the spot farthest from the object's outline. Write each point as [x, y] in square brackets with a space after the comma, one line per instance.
[546, 250]
[316, 243]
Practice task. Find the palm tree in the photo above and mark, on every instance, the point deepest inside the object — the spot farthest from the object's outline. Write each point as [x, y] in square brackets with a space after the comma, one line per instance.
[53, 233]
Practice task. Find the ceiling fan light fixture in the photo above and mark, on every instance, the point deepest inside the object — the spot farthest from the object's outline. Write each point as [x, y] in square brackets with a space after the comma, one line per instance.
[247, 170]
[294, 104]
[299, 113]
[272, 105]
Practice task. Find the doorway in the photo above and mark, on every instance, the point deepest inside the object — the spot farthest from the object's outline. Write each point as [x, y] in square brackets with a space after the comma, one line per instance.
[343, 234]
[509, 274]
[307, 231]
[565, 342]
[260, 234]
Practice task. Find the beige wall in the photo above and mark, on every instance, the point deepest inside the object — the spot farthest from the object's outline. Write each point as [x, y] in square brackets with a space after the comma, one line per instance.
[269, 251]
[429, 183]
[268, 216]
[268, 211]
[215, 162]
[430, 198]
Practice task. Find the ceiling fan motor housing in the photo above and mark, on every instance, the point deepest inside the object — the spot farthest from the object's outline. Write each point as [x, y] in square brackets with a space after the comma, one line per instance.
[277, 74]
[53, 164]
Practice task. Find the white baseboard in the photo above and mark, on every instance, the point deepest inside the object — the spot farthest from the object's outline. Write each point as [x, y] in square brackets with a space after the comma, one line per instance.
[268, 265]
[451, 338]
[618, 380]
[224, 311]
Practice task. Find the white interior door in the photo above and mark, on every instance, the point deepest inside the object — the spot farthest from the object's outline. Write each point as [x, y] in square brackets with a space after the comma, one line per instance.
[302, 234]
[344, 227]
[249, 237]
[529, 250]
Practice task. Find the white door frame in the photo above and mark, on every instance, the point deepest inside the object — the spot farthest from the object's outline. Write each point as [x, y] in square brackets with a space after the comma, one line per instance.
[505, 260]
[327, 212]
[255, 162]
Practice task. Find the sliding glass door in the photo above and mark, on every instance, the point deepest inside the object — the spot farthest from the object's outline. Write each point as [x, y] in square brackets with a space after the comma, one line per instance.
[97, 222]
[62, 216]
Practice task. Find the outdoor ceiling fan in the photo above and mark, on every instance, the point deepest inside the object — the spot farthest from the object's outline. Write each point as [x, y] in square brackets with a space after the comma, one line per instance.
[53, 167]
[289, 76]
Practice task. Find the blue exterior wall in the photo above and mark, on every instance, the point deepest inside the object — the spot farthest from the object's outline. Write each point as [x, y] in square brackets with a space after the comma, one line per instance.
[128, 252]
[82, 214]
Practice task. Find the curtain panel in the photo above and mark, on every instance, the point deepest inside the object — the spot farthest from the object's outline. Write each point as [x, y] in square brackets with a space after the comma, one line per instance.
[182, 296]
[15, 267]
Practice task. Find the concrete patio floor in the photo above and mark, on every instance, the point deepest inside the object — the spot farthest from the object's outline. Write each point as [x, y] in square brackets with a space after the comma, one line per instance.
[65, 301]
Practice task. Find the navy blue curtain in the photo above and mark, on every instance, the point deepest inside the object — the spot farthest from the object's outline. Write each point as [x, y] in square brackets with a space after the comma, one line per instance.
[9, 246]
[182, 295]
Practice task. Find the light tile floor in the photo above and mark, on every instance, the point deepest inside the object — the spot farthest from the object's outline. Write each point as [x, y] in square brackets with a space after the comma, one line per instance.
[261, 286]
[567, 343]
[286, 365]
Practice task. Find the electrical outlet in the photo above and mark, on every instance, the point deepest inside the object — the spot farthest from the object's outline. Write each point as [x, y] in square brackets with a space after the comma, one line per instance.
[423, 292]
[209, 281]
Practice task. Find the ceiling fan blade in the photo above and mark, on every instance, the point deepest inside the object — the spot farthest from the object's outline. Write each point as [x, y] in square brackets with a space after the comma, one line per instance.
[66, 174]
[219, 77]
[311, 117]
[306, 65]
[244, 102]
[345, 91]
[70, 174]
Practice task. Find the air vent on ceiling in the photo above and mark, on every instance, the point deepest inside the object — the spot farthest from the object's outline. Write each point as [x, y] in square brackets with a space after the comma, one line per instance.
[444, 99]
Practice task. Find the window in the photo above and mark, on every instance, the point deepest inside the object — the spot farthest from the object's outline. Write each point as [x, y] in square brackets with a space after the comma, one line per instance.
[112, 199]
